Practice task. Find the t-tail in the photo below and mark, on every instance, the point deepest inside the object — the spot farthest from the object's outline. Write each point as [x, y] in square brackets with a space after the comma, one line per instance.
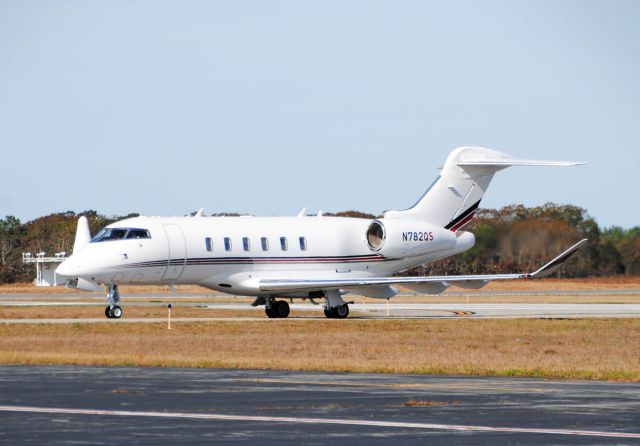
[454, 197]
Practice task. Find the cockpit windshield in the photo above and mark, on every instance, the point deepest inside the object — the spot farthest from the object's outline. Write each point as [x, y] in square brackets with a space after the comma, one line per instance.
[108, 234]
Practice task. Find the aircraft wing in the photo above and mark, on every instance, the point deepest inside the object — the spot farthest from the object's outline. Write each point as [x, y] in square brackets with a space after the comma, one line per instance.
[430, 284]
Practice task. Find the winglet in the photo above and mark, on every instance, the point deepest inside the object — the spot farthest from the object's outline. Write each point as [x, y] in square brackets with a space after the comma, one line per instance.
[556, 263]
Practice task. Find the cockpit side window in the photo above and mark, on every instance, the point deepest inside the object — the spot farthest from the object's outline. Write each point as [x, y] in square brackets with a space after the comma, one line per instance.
[138, 233]
[109, 234]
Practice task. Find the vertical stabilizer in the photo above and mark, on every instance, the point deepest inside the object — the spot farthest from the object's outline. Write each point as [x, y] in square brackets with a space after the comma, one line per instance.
[454, 197]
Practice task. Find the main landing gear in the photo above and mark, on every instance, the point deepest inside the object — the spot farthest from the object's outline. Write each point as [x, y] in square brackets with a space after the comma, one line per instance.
[276, 309]
[339, 312]
[113, 310]
[334, 306]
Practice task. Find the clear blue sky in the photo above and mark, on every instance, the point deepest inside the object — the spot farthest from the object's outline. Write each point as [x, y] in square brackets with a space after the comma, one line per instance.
[162, 107]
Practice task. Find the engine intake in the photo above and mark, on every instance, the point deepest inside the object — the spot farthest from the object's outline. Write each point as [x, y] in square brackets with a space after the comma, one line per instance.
[376, 235]
[406, 238]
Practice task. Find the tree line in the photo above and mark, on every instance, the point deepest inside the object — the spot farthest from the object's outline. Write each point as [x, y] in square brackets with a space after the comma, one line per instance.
[508, 240]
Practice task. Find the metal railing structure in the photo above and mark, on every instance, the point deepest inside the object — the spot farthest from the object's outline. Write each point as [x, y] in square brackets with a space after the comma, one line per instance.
[45, 267]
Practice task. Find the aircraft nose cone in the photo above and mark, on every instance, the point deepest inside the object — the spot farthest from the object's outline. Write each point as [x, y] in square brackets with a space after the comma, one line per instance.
[66, 268]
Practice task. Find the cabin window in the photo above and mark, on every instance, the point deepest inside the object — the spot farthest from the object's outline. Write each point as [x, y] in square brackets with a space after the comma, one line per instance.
[227, 244]
[283, 243]
[246, 244]
[208, 243]
[265, 243]
[303, 244]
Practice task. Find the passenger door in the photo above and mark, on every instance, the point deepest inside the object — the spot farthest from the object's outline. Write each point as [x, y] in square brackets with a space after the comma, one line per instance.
[177, 252]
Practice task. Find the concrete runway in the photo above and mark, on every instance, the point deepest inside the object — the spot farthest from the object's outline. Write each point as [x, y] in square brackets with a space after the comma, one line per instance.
[360, 312]
[501, 310]
[112, 406]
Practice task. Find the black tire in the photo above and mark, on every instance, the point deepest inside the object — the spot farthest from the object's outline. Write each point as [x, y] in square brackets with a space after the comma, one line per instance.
[341, 311]
[116, 312]
[271, 313]
[107, 312]
[282, 309]
[329, 313]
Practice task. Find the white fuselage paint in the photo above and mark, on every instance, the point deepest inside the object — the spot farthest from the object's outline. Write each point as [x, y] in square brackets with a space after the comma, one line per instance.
[338, 254]
[334, 247]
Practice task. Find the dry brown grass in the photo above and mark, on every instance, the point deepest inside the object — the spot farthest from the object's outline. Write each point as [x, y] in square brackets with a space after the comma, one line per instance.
[553, 284]
[130, 311]
[525, 299]
[586, 348]
[28, 287]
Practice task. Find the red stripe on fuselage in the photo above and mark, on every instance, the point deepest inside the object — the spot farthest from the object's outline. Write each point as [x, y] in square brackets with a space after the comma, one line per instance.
[463, 222]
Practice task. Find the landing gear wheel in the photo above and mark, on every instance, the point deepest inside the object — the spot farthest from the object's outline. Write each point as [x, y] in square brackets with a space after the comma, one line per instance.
[116, 312]
[329, 313]
[341, 311]
[282, 309]
[270, 311]
[113, 312]
[279, 309]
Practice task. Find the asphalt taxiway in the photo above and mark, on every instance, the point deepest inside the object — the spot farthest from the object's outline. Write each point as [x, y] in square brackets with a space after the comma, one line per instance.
[110, 405]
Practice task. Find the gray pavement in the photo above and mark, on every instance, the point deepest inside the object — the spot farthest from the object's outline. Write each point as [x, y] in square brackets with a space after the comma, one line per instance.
[113, 406]
[501, 310]
[359, 309]
[368, 312]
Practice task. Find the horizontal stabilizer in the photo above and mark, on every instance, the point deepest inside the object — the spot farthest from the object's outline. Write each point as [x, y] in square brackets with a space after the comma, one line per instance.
[506, 162]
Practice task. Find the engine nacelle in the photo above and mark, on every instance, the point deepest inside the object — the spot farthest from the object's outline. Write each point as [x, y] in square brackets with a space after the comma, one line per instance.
[405, 238]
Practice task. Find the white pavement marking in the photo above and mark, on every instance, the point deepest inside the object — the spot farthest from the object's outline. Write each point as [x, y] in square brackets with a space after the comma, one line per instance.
[301, 420]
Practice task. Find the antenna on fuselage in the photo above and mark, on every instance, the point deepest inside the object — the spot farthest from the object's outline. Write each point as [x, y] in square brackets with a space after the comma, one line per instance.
[302, 212]
[199, 213]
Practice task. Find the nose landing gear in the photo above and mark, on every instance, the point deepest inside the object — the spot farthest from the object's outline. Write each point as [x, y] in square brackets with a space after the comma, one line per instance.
[113, 310]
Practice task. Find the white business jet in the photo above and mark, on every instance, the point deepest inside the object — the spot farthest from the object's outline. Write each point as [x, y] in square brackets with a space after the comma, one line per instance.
[316, 257]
